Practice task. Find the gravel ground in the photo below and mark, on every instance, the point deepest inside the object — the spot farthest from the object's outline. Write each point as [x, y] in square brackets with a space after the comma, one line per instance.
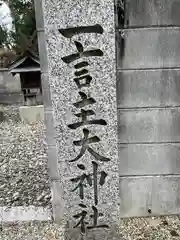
[24, 181]
[24, 177]
[164, 228]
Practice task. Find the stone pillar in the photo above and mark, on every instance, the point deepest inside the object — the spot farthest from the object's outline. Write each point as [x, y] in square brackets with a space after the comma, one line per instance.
[80, 39]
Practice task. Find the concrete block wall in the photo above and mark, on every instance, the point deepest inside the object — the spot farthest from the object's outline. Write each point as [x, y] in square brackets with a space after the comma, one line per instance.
[148, 89]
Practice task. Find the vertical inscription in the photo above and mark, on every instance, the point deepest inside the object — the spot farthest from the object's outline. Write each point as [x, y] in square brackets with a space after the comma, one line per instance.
[83, 79]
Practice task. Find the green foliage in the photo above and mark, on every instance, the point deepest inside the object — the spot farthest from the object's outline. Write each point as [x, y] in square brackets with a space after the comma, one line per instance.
[23, 15]
[3, 37]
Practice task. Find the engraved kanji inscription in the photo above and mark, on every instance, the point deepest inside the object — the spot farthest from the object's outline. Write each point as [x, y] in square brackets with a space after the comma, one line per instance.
[81, 65]
[89, 179]
[85, 101]
[81, 53]
[70, 32]
[83, 115]
[96, 178]
[83, 81]
[84, 143]
[83, 224]
[95, 216]
[82, 180]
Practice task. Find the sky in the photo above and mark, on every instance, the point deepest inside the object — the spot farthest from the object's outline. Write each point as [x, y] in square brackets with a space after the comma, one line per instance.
[5, 16]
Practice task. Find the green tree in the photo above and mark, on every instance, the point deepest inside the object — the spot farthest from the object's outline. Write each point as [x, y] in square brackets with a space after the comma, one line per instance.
[23, 14]
[3, 37]
[24, 22]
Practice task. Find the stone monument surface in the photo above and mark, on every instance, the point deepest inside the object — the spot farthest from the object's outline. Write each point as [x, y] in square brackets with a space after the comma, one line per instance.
[80, 40]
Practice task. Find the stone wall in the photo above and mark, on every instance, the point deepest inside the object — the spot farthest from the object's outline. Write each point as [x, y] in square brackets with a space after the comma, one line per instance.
[10, 88]
[148, 89]
[8, 82]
